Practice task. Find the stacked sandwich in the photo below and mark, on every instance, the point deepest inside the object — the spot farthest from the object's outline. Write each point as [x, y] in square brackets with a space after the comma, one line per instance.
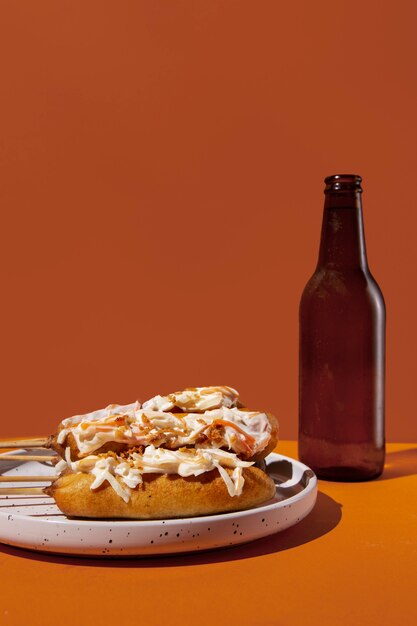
[189, 453]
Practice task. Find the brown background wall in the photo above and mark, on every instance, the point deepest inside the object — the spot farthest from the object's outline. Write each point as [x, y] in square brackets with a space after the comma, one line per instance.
[161, 167]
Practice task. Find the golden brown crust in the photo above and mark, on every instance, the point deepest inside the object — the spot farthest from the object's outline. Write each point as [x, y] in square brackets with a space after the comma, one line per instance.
[160, 496]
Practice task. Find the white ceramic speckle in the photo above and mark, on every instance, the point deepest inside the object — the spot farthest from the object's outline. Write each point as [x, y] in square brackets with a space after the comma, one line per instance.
[36, 523]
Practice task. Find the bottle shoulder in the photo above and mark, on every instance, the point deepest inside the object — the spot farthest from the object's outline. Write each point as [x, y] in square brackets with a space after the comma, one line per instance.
[375, 287]
[342, 283]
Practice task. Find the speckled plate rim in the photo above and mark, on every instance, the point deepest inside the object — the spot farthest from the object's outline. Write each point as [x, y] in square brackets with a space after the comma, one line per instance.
[133, 537]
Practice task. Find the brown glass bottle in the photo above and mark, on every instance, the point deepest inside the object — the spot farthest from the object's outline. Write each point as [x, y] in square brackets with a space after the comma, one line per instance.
[342, 347]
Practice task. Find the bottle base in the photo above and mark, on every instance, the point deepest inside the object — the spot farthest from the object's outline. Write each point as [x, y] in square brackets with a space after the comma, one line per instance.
[345, 474]
[341, 461]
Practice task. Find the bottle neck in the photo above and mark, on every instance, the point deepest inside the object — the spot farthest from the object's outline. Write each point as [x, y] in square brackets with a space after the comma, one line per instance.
[342, 237]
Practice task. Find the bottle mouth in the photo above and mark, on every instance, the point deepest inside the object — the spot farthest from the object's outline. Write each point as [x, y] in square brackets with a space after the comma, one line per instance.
[343, 183]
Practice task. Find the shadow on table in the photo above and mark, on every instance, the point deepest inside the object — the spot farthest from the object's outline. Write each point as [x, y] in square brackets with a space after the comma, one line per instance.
[325, 516]
[400, 463]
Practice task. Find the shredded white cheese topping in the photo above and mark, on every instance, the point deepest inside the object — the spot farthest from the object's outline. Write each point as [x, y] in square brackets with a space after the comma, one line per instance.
[195, 399]
[243, 432]
[126, 474]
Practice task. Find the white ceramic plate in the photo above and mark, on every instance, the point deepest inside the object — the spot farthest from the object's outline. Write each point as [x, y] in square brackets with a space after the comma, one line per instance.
[36, 523]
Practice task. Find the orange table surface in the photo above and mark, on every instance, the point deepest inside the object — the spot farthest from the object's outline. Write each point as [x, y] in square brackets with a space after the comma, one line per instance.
[352, 561]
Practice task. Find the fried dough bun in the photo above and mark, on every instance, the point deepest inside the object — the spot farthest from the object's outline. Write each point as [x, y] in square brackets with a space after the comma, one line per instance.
[160, 496]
